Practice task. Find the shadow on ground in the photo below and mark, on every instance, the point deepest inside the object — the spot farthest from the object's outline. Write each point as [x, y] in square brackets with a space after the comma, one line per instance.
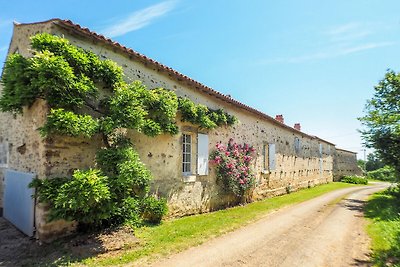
[16, 249]
[354, 204]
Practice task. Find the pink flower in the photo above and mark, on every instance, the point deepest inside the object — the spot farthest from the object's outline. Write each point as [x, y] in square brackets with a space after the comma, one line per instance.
[220, 147]
[227, 153]
[229, 165]
[241, 181]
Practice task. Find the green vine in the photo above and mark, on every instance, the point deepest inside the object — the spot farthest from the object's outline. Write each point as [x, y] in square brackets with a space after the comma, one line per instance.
[70, 80]
[68, 123]
[203, 116]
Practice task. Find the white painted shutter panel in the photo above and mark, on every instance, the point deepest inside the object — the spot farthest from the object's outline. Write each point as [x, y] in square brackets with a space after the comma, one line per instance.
[320, 150]
[202, 154]
[3, 155]
[271, 156]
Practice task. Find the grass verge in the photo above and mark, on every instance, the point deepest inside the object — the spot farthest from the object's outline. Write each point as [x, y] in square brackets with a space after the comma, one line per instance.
[179, 234]
[383, 211]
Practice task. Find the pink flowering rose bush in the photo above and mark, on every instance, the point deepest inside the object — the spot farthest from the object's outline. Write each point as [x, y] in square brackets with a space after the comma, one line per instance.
[232, 163]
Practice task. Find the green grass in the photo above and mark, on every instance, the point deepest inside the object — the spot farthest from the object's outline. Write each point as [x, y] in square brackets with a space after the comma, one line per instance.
[179, 234]
[384, 228]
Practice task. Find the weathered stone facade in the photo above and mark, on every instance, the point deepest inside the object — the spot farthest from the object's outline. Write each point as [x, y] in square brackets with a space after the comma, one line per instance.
[300, 160]
[345, 163]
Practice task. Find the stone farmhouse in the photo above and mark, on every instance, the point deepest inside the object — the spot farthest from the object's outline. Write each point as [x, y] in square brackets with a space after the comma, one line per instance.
[287, 158]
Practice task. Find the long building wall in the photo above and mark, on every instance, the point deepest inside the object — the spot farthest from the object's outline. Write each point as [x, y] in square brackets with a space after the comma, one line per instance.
[301, 160]
[345, 163]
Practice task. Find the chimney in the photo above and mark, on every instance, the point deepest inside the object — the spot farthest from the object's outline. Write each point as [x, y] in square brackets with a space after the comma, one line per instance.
[280, 118]
[297, 126]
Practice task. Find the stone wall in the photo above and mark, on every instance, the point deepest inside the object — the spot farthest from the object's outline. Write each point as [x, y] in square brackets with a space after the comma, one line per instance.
[163, 154]
[301, 160]
[345, 163]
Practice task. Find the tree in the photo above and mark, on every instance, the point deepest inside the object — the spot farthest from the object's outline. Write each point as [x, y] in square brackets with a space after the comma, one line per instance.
[382, 120]
[361, 163]
[373, 162]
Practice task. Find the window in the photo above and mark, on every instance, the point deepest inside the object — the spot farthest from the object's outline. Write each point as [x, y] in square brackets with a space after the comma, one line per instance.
[4, 155]
[187, 154]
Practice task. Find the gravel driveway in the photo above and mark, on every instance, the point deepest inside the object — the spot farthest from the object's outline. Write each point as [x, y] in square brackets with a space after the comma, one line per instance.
[325, 231]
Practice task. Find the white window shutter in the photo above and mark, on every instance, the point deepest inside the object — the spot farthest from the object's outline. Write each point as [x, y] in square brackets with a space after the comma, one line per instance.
[271, 157]
[320, 150]
[202, 154]
[4, 155]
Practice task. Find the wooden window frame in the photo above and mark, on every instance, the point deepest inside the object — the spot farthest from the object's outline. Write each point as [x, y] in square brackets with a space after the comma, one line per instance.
[187, 150]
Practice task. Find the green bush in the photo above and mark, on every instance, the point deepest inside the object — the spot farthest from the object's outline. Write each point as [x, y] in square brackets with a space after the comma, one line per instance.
[154, 209]
[354, 180]
[47, 189]
[127, 210]
[133, 176]
[84, 198]
[386, 173]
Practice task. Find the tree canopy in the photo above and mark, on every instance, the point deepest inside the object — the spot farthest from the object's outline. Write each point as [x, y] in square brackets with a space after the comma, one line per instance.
[382, 120]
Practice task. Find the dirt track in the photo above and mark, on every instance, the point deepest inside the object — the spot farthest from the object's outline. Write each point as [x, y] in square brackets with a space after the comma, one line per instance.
[319, 232]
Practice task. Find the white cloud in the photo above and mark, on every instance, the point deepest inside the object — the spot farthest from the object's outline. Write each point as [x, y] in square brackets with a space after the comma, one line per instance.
[139, 19]
[333, 52]
[341, 40]
[344, 29]
[350, 31]
[363, 47]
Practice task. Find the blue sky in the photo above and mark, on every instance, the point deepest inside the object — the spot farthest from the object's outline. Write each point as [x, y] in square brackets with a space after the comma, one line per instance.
[315, 62]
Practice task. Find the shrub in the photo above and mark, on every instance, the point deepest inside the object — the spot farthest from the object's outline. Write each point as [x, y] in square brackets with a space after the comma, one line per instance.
[84, 198]
[386, 173]
[128, 210]
[154, 209]
[133, 175]
[354, 180]
[233, 166]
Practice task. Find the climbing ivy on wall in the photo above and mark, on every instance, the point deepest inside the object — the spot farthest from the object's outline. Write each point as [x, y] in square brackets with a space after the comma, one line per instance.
[88, 96]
